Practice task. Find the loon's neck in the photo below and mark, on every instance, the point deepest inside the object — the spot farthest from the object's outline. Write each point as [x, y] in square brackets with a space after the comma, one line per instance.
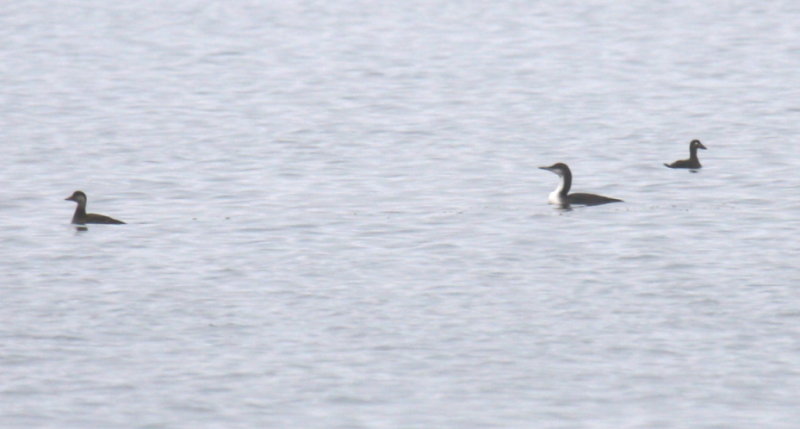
[566, 183]
[559, 195]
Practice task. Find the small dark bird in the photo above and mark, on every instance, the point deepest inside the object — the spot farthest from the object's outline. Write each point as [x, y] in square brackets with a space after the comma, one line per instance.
[561, 196]
[692, 162]
[81, 217]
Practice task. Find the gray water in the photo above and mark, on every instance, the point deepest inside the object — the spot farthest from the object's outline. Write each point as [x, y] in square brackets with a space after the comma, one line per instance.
[335, 219]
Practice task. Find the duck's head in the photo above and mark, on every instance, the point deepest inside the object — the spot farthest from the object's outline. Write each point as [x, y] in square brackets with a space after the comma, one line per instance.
[77, 196]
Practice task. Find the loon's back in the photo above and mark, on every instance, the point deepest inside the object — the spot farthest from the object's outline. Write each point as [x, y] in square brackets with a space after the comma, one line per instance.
[580, 198]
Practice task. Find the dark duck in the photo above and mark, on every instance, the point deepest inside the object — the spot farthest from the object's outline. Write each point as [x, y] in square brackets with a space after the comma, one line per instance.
[693, 162]
[561, 196]
[81, 217]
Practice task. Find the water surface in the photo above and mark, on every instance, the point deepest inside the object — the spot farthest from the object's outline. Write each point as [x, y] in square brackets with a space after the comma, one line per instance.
[335, 217]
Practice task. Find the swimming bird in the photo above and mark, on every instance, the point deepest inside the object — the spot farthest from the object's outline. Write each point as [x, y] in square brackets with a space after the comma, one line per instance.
[561, 196]
[692, 162]
[81, 217]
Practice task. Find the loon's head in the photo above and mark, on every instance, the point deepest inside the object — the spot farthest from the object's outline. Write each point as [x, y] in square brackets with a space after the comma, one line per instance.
[77, 196]
[697, 144]
[558, 168]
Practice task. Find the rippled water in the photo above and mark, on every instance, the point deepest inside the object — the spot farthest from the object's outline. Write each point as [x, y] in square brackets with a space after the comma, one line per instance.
[335, 217]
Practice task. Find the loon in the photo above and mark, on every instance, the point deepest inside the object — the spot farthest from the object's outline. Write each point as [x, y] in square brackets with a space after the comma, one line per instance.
[563, 198]
[81, 217]
[692, 162]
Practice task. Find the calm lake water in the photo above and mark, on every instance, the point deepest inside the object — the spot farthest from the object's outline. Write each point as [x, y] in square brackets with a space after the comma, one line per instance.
[336, 219]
